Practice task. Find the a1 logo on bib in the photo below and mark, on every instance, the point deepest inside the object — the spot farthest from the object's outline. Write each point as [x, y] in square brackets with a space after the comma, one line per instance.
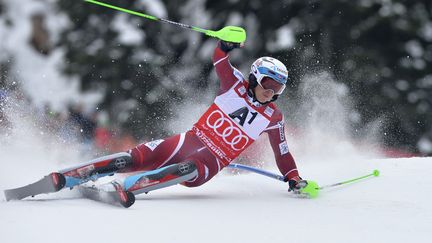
[241, 114]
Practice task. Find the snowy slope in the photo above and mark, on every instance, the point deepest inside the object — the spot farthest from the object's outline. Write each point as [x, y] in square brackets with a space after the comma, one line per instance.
[394, 207]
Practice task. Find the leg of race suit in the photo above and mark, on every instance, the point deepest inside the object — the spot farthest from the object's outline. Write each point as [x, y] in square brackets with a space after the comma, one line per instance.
[94, 169]
[207, 166]
[71, 177]
[165, 160]
[182, 147]
[163, 177]
[146, 156]
[163, 157]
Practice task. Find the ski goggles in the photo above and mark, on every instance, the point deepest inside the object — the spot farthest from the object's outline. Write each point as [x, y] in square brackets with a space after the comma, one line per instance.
[269, 84]
[266, 72]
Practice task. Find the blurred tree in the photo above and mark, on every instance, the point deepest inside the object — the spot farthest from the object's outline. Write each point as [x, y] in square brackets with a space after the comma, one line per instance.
[140, 74]
[381, 49]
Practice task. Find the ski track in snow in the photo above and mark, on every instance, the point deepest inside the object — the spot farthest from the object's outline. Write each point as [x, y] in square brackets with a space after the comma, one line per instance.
[394, 207]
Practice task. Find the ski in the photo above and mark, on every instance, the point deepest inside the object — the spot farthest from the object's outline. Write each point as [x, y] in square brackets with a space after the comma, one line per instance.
[51, 183]
[111, 193]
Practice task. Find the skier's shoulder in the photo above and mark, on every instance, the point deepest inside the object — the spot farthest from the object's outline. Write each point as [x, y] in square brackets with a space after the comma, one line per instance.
[277, 115]
[277, 111]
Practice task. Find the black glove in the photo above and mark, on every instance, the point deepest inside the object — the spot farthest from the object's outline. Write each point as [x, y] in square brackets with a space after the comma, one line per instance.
[296, 186]
[229, 46]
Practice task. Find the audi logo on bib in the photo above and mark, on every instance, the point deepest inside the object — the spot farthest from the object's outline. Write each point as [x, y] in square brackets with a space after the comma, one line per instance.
[227, 130]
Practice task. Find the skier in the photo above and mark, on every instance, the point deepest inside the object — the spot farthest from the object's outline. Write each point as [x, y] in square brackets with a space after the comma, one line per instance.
[240, 113]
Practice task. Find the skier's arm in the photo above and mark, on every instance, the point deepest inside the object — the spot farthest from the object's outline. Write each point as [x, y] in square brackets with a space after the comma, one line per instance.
[224, 70]
[284, 158]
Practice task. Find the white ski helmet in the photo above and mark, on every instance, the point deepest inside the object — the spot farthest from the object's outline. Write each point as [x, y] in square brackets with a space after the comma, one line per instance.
[269, 67]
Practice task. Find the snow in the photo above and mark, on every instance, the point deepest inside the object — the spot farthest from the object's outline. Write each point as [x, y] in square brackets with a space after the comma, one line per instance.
[155, 7]
[285, 39]
[129, 34]
[394, 207]
[425, 145]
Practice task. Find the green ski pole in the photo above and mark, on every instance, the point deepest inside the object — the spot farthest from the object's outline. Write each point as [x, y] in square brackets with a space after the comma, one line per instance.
[374, 173]
[311, 189]
[229, 33]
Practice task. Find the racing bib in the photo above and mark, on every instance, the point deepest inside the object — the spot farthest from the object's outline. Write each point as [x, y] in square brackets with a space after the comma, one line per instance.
[231, 124]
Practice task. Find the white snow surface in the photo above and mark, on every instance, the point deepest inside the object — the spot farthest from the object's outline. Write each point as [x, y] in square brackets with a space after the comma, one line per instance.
[394, 207]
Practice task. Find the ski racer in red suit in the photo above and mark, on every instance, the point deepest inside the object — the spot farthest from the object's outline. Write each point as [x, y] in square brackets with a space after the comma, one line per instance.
[240, 113]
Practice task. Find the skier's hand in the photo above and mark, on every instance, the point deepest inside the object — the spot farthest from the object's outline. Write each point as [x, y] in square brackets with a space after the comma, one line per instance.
[229, 46]
[296, 185]
[304, 187]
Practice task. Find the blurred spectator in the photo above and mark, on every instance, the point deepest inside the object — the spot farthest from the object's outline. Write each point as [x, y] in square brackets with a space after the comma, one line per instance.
[122, 141]
[81, 125]
[103, 134]
[110, 139]
[103, 137]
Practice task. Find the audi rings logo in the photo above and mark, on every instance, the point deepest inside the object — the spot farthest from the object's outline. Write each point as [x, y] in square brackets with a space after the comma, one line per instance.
[225, 128]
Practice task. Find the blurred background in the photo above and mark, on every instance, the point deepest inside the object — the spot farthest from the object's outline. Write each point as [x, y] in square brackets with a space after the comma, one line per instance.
[359, 71]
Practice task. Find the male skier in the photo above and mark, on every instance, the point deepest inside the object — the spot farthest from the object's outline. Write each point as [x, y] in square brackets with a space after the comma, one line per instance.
[240, 113]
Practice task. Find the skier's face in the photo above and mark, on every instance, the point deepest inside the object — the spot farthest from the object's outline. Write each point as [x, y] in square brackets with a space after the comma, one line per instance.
[263, 95]
[266, 89]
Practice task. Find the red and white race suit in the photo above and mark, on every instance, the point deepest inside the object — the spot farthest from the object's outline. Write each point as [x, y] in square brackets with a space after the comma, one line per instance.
[232, 123]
